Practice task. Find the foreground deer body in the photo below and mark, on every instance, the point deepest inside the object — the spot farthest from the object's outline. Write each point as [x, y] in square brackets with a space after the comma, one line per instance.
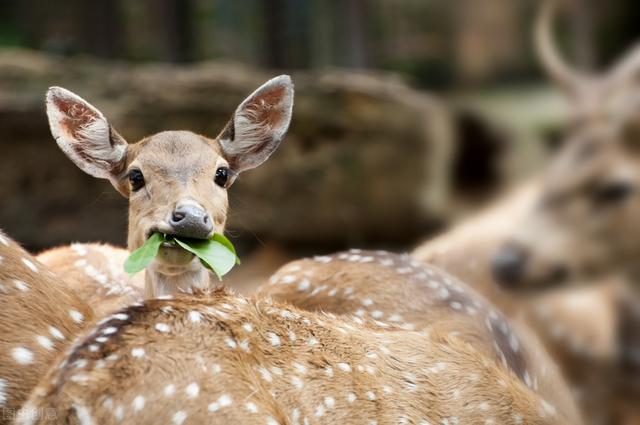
[176, 181]
[397, 289]
[220, 358]
[95, 272]
[39, 315]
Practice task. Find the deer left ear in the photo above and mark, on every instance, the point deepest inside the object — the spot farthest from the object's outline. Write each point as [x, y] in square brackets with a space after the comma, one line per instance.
[258, 125]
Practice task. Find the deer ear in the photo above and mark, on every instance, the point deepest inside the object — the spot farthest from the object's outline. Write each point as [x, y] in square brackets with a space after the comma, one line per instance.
[84, 135]
[258, 125]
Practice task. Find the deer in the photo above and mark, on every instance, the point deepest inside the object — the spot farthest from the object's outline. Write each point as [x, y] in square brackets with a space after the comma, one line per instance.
[582, 222]
[95, 272]
[39, 316]
[397, 289]
[176, 182]
[216, 357]
[576, 325]
[582, 225]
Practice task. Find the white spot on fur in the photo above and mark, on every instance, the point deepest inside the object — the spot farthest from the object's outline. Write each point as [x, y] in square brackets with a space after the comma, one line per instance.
[119, 412]
[138, 403]
[330, 402]
[328, 370]
[273, 339]
[251, 407]
[248, 327]
[300, 368]
[351, 397]
[169, 390]
[138, 353]
[319, 411]
[192, 390]
[288, 279]
[265, 374]
[179, 417]
[3, 392]
[20, 285]
[83, 415]
[162, 327]
[271, 421]
[297, 382]
[304, 285]
[223, 401]
[76, 316]
[22, 355]
[44, 342]
[110, 330]
[30, 265]
[344, 367]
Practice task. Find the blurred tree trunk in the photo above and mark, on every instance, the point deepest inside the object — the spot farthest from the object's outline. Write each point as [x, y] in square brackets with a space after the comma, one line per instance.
[274, 15]
[355, 12]
[100, 29]
[174, 28]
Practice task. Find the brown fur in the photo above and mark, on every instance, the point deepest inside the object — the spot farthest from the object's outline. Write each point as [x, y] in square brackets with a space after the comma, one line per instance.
[39, 316]
[96, 274]
[233, 360]
[400, 290]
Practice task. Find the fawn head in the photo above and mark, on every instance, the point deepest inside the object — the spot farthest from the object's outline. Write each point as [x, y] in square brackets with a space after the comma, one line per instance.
[585, 221]
[176, 181]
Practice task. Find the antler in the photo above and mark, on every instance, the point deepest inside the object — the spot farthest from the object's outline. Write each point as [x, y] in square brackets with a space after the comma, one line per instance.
[558, 69]
[625, 71]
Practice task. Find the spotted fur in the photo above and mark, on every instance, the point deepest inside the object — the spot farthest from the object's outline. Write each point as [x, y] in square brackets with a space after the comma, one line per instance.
[358, 371]
[397, 289]
[39, 316]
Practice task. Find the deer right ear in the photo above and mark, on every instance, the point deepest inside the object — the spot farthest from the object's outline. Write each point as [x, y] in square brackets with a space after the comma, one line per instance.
[258, 125]
[85, 136]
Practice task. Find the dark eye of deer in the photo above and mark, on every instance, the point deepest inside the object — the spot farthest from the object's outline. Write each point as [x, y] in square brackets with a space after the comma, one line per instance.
[222, 176]
[613, 192]
[136, 179]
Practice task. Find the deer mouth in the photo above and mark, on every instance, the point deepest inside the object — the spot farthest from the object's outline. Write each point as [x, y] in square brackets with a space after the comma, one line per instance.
[171, 254]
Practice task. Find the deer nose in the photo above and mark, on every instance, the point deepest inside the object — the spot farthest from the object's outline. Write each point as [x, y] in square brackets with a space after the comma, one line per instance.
[191, 221]
[508, 266]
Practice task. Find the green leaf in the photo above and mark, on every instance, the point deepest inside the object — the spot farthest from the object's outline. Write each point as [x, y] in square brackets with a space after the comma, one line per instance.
[227, 243]
[141, 257]
[216, 253]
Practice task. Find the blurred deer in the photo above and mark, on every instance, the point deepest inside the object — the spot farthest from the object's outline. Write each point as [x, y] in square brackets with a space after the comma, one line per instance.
[577, 326]
[584, 223]
[176, 181]
[218, 358]
[585, 220]
[39, 316]
[411, 295]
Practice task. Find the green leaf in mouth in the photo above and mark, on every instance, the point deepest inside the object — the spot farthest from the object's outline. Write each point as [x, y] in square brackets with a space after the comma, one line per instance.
[141, 257]
[217, 253]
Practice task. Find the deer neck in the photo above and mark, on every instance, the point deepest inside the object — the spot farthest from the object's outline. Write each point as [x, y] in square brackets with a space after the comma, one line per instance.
[160, 282]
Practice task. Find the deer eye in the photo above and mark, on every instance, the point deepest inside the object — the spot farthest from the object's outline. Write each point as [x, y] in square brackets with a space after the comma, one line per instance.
[136, 179]
[613, 192]
[222, 176]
